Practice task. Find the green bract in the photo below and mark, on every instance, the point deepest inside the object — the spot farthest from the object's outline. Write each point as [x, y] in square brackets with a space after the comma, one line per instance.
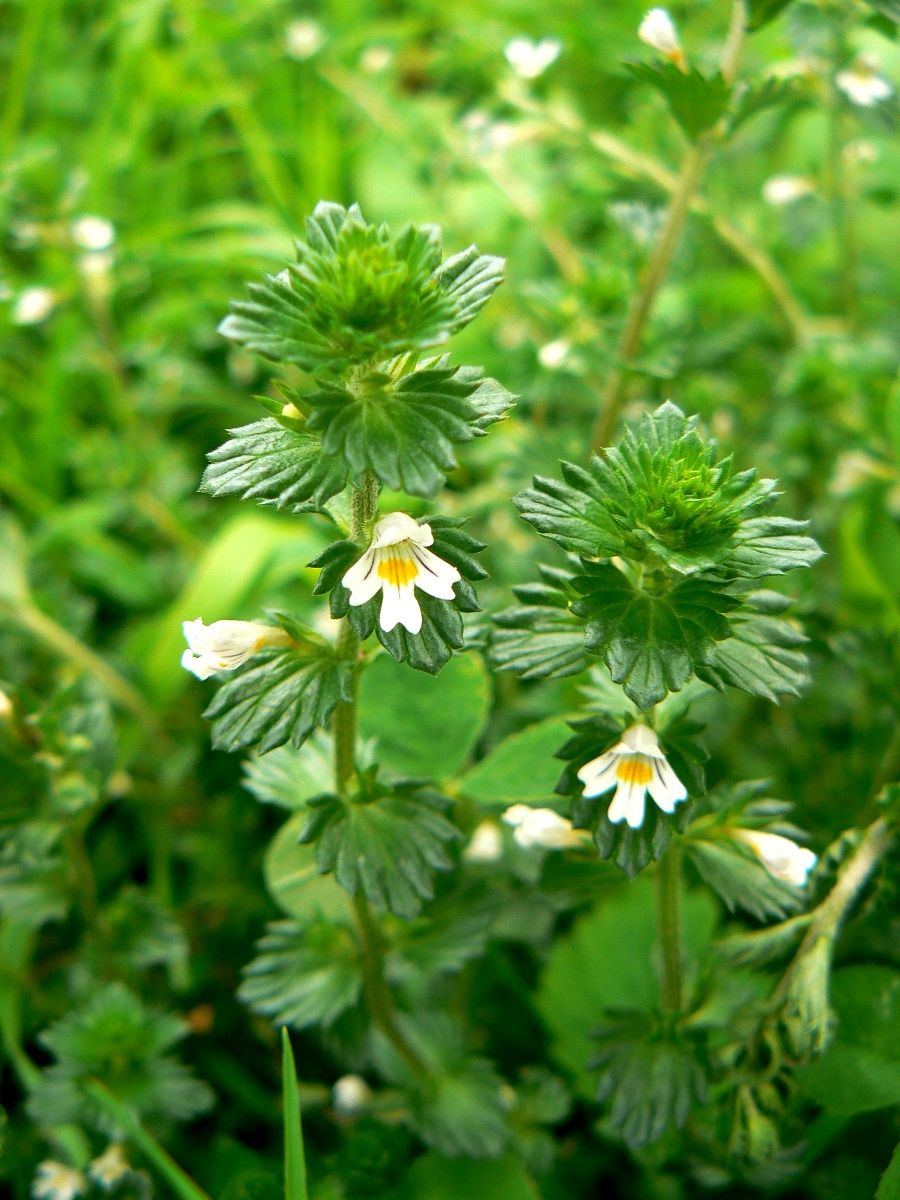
[359, 294]
[671, 541]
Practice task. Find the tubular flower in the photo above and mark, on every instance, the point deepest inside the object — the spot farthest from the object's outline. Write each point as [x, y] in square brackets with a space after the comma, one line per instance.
[634, 766]
[56, 1181]
[396, 563]
[225, 645]
[780, 856]
[542, 828]
[658, 31]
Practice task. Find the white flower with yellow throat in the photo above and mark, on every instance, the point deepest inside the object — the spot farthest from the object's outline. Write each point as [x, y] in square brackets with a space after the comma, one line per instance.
[396, 563]
[634, 767]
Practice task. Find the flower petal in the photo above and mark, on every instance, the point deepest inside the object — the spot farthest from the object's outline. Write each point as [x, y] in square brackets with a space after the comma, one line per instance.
[362, 579]
[628, 804]
[597, 782]
[399, 606]
[435, 577]
[665, 787]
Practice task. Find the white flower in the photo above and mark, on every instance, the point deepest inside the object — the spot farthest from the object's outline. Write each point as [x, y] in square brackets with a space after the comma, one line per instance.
[303, 38]
[56, 1181]
[530, 59]
[93, 233]
[658, 31]
[33, 305]
[110, 1167]
[7, 708]
[553, 354]
[486, 844]
[375, 59]
[634, 766]
[541, 827]
[224, 645]
[785, 189]
[397, 562]
[351, 1094]
[780, 856]
[862, 84]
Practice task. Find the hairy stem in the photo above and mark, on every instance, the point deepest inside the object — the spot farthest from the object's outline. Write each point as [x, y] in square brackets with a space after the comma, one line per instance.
[668, 917]
[364, 506]
[692, 167]
[831, 913]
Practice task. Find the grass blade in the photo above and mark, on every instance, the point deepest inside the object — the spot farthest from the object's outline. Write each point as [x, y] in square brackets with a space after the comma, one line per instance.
[294, 1157]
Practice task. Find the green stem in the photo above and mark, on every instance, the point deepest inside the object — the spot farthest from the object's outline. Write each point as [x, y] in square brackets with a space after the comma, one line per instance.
[364, 506]
[668, 917]
[68, 646]
[692, 167]
[178, 1180]
[615, 393]
[831, 913]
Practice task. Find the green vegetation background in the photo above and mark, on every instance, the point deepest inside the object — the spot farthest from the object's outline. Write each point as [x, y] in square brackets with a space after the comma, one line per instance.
[191, 129]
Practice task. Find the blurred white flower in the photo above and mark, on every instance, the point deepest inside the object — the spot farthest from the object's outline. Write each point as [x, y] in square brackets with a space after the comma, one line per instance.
[33, 305]
[93, 233]
[303, 39]
[396, 563]
[351, 1094]
[530, 59]
[658, 31]
[860, 152]
[486, 844]
[785, 189]
[56, 1181]
[375, 59]
[485, 136]
[634, 766]
[7, 708]
[862, 84]
[780, 856]
[541, 828]
[225, 645]
[110, 1167]
[553, 354]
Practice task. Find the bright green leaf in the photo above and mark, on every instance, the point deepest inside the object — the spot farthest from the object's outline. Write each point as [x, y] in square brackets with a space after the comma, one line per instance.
[520, 769]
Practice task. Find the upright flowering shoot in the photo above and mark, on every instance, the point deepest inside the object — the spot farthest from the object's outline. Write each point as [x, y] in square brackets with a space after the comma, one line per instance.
[634, 767]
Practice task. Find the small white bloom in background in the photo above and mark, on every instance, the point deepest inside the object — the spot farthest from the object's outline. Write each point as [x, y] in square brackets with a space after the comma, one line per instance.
[56, 1181]
[224, 645]
[110, 1167]
[553, 354]
[486, 843]
[862, 84]
[780, 856]
[860, 152]
[485, 136]
[658, 31]
[634, 766]
[303, 38]
[33, 305]
[7, 708]
[96, 264]
[375, 59]
[396, 563]
[530, 59]
[541, 828]
[351, 1094]
[93, 233]
[785, 189]
[284, 276]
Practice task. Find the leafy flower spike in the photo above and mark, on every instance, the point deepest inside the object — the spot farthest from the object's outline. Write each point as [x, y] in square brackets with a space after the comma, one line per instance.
[634, 766]
[781, 856]
[396, 563]
[225, 645]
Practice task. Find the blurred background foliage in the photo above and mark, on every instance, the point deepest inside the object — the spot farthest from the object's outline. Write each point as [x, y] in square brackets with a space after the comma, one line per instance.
[202, 134]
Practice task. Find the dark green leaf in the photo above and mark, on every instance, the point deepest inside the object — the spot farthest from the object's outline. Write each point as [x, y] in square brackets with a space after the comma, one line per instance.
[651, 643]
[275, 466]
[404, 427]
[304, 974]
[739, 879]
[754, 98]
[280, 694]
[540, 638]
[384, 843]
[435, 1177]
[652, 1075]
[696, 101]
[762, 656]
